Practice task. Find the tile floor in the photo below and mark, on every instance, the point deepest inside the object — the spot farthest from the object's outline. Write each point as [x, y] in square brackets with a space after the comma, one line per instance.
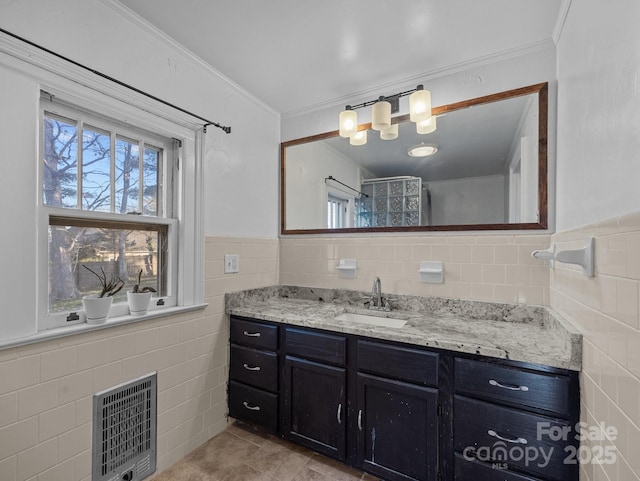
[242, 454]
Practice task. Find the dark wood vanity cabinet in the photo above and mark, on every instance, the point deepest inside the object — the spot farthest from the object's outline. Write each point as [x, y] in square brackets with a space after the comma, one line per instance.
[403, 412]
[315, 391]
[253, 373]
[397, 411]
[513, 422]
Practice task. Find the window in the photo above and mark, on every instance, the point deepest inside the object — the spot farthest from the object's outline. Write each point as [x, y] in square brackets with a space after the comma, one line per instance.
[107, 198]
[339, 210]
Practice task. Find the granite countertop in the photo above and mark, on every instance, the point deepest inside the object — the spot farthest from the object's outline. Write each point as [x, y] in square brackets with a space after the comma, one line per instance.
[507, 331]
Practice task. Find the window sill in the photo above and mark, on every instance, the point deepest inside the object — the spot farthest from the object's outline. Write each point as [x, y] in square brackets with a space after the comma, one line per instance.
[59, 332]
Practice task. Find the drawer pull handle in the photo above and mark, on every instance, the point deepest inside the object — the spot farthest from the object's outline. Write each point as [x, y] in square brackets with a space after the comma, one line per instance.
[491, 432]
[251, 334]
[360, 419]
[339, 414]
[252, 408]
[251, 368]
[493, 382]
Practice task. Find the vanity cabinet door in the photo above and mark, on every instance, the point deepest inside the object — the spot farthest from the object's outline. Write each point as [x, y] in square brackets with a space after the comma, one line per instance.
[397, 429]
[315, 406]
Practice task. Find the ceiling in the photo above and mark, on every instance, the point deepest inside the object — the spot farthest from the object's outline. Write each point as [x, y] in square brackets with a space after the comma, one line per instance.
[298, 55]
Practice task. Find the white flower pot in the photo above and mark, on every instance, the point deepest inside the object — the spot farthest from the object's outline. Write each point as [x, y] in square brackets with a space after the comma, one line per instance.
[96, 308]
[138, 302]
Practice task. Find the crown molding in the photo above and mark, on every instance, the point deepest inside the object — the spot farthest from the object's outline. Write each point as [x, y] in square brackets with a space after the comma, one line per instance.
[561, 20]
[424, 77]
[171, 43]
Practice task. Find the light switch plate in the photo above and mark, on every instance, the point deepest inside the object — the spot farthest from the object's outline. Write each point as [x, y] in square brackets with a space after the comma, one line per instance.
[231, 263]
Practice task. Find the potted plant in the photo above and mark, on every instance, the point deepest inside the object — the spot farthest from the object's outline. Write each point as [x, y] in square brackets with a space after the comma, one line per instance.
[96, 306]
[139, 297]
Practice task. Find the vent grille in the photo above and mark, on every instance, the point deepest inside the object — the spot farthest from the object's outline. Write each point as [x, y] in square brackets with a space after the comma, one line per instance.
[124, 431]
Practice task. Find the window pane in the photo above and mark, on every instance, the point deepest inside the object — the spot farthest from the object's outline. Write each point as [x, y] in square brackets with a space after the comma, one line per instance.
[96, 170]
[119, 252]
[126, 176]
[60, 186]
[150, 181]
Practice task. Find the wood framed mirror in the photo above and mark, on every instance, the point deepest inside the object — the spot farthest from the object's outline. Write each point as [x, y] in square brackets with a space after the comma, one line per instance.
[489, 172]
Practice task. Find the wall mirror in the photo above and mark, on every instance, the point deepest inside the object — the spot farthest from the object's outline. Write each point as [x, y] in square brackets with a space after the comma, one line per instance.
[489, 172]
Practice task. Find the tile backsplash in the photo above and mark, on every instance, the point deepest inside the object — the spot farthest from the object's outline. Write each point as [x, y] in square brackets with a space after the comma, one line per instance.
[481, 267]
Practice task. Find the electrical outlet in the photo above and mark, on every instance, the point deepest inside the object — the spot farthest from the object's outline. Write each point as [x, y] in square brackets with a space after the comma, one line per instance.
[231, 263]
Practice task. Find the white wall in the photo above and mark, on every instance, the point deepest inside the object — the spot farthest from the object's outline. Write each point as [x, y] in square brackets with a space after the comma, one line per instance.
[96, 33]
[523, 203]
[598, 112]
[476, 200]
[597, 184]
[307, 167]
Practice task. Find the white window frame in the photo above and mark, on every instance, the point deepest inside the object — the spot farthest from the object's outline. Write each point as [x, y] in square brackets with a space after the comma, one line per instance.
[348, 201]
[185, 275]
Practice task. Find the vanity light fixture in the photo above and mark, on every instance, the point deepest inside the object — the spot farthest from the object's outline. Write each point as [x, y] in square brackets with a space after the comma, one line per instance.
[359, 138]
[348, 122]
[426, 126]
[381, 115]
[422, 150]
[420, 105]
[389, 134]
[383, 107]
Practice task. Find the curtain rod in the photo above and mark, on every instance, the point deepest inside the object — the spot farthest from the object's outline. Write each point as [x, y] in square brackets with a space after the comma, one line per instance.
[347, 186]
[114, 80]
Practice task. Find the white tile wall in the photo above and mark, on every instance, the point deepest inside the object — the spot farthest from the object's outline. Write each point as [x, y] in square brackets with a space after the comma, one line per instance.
[606, 307]
[46, 388]
[485, 267]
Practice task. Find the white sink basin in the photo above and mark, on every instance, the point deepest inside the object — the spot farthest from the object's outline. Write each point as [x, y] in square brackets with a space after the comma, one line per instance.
[371, 320]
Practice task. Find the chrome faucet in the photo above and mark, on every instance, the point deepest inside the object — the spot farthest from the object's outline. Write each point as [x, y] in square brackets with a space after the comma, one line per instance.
[376, 294]
[375, 300]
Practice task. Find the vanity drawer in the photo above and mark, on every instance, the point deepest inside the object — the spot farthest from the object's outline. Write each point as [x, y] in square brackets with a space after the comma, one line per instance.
[513, 386]
[471, 470]
[403, 363]
[316, 346]
[253, 405]
[252, 333]
[254, 367]
[493, 429]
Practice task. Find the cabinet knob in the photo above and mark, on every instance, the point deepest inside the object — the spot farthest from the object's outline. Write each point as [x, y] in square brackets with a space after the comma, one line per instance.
[495, 383]
[339, 414]
[251, 334]
[360, 419]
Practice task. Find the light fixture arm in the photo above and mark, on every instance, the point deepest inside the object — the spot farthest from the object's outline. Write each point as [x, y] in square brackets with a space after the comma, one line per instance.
[388, 98]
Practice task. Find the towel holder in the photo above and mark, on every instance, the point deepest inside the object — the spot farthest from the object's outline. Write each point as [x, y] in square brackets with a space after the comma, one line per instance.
[583, 257]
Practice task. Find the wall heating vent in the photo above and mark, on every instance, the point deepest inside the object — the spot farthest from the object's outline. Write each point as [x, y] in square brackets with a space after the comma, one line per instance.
[124, 431]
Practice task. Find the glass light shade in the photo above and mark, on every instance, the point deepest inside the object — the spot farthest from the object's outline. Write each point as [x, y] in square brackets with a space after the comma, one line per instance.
[420, 106]
[381, 115]
[426, 126]
[422, 150]
[348, 123]
[359, 138]
[389, 134]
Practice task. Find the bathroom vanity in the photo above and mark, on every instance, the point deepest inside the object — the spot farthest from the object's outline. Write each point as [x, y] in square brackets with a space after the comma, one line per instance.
[463, 390]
